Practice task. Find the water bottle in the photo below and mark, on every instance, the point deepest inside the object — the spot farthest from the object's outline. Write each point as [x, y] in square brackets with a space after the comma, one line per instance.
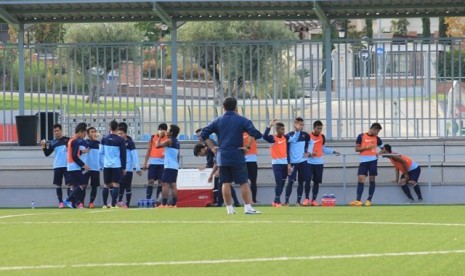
[139, 203]
[331, 200]
[151, 203]
[33, 205]
[324, 200]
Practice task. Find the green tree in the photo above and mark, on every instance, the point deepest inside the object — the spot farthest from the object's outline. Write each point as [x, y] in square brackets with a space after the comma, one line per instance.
[443, 26]
[231, 65]
[92, 61]
[48, 33]
[151, 30]
[399, 27]
[451, 64]
[114, 37]
[426, 27]
[369, 27]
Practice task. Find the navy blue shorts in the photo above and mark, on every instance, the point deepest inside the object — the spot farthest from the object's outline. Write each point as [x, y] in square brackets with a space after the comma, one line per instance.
[315, 173]
[237, 174]
[155, 172]
[370, 168]
[76, 178]
[300, 168]
[127, 180]
[280, 173]
[414, 174]
[94, 177]
[112, 175]
[58, 175]
[169, 176]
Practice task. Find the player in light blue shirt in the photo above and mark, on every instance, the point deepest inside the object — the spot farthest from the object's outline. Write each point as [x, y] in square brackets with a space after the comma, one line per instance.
[297, 147]
[113, 149]
[95, 162]
[59, 148]
[171, 164]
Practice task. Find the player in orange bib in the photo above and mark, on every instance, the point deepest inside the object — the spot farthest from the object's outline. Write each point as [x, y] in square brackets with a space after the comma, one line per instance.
[251, 163]
[315, 151]
[366, 145]
[410, 172]
[153, 162]
[279, 157]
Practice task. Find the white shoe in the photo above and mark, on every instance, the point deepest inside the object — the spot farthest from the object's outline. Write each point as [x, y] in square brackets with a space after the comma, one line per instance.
[252, 212]
[232, 212]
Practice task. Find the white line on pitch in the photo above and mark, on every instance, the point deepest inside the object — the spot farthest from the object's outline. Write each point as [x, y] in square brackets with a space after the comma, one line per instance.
[13, 216]
[238, 222]
[100, 211]
[229, 261]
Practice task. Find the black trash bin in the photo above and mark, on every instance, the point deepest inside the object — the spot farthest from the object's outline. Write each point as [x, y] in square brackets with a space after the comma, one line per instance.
[47, 120]
[26, 127]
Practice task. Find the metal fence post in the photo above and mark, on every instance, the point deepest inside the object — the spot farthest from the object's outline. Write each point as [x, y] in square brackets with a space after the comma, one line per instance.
[429, 179]
[344, 177]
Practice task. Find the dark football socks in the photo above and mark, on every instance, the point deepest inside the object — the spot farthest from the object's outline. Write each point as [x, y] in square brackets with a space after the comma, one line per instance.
[149, 192]
[60, 194]
[371, 190]
[360, 187]
[105, 193]
[417, 190]
[407, 191]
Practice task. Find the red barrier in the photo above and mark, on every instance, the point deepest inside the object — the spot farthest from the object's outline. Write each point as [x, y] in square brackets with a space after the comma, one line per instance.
[8, 133]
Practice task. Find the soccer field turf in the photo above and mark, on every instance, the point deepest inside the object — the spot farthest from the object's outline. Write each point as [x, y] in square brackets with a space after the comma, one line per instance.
[381, 240]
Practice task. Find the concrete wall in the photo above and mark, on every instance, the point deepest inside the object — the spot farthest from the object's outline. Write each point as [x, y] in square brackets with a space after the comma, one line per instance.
[26, 175]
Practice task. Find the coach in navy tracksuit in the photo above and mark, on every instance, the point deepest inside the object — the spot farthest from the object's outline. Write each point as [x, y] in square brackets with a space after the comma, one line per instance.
[230, 152]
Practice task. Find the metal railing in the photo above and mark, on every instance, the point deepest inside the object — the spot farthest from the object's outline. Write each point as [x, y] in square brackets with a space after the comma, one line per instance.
[406, 85]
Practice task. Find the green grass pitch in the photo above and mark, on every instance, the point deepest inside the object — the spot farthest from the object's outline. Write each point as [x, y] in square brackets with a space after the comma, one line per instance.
[381, 240]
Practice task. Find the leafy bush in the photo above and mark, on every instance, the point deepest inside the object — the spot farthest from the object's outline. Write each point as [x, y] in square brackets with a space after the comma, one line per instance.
[451, 64]
[189, 72]
[114, 44]
[7, 57]
[44, 76]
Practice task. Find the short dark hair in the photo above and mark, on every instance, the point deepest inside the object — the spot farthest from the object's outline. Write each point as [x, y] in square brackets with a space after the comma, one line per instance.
[80, 127]
[57, 126]
[123, 126]
[388, 148]
[123, 129]
[198, 147]
[90, 128]
[279, 125]
[113, 125]
[376, 126]
[174, 129]
[162, 126]
[298, 119]
[198, 130]
[230, 104]
[317, 123]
